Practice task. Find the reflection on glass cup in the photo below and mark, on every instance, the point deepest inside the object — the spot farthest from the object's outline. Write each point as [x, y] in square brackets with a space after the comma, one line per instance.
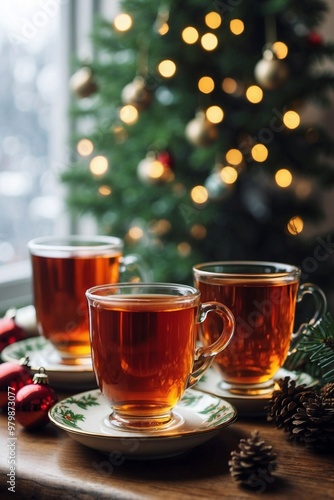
[143, 341]
[262, 297]
[63, 268]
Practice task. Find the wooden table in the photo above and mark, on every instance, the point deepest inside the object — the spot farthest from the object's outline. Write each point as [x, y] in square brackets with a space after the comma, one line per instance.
[51, 465]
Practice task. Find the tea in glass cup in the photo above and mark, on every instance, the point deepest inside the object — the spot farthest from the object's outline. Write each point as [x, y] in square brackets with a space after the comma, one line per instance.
[263, 298]
[63, 268]
[143, 342]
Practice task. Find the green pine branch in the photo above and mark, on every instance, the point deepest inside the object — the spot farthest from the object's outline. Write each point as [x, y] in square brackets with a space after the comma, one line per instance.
[314, 352]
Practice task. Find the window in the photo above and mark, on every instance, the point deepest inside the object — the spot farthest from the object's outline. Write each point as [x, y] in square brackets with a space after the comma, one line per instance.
[29, 202]
[38, 39]
[33, 102]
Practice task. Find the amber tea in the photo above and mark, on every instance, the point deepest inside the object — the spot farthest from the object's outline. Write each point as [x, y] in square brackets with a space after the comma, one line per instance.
[262, 296]
[59, 291]
[63, 268]
[148, 352]
[143, 342]
[264, 324]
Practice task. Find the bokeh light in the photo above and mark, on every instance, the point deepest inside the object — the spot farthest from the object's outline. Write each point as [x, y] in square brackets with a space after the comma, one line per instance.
[98, 165]
[184, 249]
[254, 94]
[209, 41]
[213, 20]
[206, 84]
[198, 231]
[199, 195]
[128, 114]
[228, 174]
[259, 153]
[214, 114]
[85, 147]
[167, 68]
[291, 119]
[234, 156]
[283, 177]
[229, 85]
[163, 29]
[295, 225]
[156, 169]
[105, 190]
[190, 35]
[280, 49]
[237, 26]
[135, 233]
[122, 22]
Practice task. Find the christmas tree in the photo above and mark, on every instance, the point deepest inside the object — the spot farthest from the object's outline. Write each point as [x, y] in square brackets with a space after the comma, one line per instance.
[190, 141]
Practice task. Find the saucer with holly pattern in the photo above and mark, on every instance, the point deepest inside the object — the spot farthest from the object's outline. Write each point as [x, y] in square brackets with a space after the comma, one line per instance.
[41, 353]
[85, 417]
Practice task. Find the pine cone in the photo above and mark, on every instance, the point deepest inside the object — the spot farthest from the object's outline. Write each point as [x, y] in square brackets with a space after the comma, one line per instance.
[327, 391]
[253, 461]
[285, 402]
[314, 423]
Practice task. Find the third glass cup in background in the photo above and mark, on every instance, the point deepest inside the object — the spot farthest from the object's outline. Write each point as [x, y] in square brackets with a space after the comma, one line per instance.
[262, 297]
[143, 339]
[63, 268]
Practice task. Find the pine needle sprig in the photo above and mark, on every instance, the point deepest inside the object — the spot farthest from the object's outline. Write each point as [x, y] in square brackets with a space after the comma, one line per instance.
[317, 347]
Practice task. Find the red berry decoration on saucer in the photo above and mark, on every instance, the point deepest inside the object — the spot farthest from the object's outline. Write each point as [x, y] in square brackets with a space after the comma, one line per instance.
[33, 402]
[13, 376]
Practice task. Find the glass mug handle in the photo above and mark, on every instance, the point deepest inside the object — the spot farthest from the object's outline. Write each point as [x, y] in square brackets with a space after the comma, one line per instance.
[133, 268]
[204, 356]
[320, 309]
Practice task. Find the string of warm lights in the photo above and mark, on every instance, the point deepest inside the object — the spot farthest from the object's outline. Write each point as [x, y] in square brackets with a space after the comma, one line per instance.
[151, 170]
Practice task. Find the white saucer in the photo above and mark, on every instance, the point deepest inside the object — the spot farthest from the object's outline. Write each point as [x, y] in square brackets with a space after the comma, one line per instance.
[61, 375]
[253, 406]
[84, 418]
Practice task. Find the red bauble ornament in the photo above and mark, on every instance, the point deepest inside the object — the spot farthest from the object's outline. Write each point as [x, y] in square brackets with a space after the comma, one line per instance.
[34, 401]
[166, 159]
[315, 39]
[13, 376]
[10, 331]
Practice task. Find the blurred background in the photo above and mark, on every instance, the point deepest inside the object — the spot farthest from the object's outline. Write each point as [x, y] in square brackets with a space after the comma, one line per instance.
[209, 167]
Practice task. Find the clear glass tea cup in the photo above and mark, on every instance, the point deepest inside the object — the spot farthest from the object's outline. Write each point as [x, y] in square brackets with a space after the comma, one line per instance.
[262, 297]
[63, 267]
[144, 353]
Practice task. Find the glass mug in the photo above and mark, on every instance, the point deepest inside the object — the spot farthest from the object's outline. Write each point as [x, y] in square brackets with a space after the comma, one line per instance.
[63, 267]
[262, 297]
[144, 354]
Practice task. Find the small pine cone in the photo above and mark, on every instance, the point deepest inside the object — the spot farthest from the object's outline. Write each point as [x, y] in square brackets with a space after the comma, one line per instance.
[327, 391]
[285, 401]
[252, 462]
[314, 423]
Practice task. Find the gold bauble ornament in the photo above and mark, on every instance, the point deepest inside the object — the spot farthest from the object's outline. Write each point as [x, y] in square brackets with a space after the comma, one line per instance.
[200, 131]
[82, 82]
[137, 94]
[270, 72]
